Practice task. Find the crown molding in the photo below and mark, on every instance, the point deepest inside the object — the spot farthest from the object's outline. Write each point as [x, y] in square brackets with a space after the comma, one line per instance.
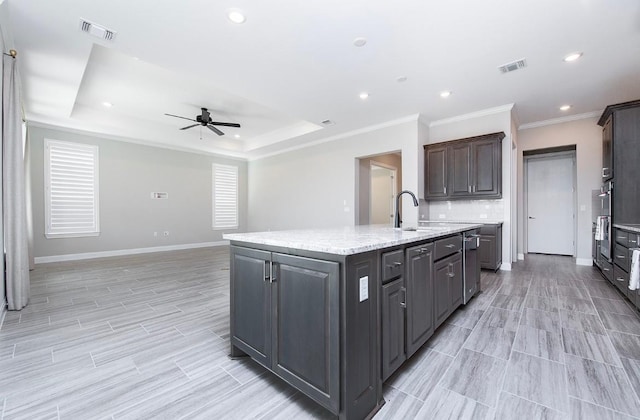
[472, 115]
[560, 120]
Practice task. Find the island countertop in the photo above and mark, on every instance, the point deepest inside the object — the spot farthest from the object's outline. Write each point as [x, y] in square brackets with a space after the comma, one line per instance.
[347, 240]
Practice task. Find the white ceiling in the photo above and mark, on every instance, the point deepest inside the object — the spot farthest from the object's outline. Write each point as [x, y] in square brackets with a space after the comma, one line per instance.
[293, 64]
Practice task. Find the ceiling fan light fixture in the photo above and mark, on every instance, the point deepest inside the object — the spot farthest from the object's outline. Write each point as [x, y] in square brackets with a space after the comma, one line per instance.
[236, 16]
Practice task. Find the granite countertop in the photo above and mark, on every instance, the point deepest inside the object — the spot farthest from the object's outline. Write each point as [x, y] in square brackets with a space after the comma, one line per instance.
[347, 240]
[631, 227]
[446, 221]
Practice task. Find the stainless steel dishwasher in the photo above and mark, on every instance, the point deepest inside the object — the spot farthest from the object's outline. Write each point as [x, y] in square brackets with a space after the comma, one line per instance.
[471, 264]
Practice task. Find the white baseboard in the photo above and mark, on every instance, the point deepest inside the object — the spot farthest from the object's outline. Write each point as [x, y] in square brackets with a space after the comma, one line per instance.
[121, 252]
[584, 261]
[521, 257]
[505, 267]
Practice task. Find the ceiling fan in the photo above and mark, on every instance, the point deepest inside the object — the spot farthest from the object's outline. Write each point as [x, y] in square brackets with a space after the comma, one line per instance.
[204, 119]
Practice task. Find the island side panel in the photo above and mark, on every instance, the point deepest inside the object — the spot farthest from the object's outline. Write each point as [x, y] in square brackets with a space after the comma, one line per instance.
[362, 384]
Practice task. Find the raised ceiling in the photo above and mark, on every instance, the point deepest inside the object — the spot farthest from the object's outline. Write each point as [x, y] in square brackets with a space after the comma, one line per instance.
[293, 65]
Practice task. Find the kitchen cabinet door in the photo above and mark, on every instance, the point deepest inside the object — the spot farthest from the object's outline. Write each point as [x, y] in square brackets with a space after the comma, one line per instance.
[393, 320]
[461, 169]
[436, 176]
[441, 291]
[607, 149]
[419, 280]
[306, 294]
[487, 168]
[251, 303]
[456, 279]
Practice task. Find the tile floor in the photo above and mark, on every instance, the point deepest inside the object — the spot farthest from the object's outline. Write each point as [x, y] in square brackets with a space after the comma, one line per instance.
[147, 337]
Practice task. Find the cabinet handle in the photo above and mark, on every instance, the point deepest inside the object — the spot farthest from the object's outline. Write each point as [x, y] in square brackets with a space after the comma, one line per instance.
[621, 256]
[267, 268]
[605, 269]
[273, 272]
[619, 279]
[469, 188]
[633, 242]
[450, 246]
[403, 304]
[451, 274]
[396, 264]
[445, 190]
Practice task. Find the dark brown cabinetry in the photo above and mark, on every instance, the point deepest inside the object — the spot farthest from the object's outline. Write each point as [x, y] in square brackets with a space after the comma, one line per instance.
[620, 156]
[311, 318]
[490, 250]
[466, 168]
[447, 278]
[625, 243]
[407, 304]
[436, 164]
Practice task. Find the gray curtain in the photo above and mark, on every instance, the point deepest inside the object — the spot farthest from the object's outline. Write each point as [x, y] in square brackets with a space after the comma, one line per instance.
[14, 192]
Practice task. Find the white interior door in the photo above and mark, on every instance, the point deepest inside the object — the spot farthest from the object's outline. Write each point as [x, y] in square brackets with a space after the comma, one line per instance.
[383, 188]
[550, 205]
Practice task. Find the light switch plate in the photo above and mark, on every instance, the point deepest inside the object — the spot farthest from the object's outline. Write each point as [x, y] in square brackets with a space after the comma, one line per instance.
[364, 288]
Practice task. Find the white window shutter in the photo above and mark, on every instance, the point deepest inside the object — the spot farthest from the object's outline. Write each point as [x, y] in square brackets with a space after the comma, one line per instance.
[225, 196]
[71, 189]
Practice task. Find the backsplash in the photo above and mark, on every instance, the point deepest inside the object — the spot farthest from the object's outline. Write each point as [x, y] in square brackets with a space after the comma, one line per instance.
[462, 210]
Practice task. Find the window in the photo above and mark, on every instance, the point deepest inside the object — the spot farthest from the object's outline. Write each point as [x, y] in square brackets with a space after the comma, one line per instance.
[225, 197]
[71, 189]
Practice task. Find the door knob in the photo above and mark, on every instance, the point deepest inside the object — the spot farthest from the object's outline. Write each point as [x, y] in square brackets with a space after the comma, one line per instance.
[531, 217]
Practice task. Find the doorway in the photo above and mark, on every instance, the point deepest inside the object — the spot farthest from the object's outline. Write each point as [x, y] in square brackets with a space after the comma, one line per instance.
[550, 203]
[383, 192]
[378, 179]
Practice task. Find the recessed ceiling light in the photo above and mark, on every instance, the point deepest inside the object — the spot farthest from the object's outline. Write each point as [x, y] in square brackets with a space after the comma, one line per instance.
[236, 16]
[401, 79]
[565, 107]
[573, 56]
[107, 104]
[445, 94]
[364, 95]
[360, 41]
[236, 136]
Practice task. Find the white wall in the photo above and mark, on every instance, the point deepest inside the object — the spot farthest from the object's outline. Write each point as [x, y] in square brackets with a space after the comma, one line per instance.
[128, 173]
[586, 135]
[309, 187]
[485, 122]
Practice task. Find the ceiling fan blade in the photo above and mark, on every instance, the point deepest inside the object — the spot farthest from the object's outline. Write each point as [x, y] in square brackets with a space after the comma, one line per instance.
[178, 116]
[189, 126]
[215, 130]
[225, 124]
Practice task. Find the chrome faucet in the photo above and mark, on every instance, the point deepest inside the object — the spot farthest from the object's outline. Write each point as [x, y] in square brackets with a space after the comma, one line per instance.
[398, 221]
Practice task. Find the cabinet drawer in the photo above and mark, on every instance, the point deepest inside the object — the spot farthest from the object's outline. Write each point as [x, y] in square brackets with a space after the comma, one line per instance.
[392, 265]
[447, 246]
[621, 280]
[633, 240]
[621, 257]
[622, 237]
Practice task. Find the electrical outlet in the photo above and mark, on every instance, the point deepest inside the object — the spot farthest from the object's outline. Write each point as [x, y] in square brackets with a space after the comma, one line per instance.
[165, 233]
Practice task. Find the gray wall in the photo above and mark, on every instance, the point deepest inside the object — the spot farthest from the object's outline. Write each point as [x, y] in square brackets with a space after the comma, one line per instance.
[587, 137]
[309, 187]
[128, 216]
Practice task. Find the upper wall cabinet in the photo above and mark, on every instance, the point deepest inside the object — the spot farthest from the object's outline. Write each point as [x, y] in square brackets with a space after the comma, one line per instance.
[467, 168]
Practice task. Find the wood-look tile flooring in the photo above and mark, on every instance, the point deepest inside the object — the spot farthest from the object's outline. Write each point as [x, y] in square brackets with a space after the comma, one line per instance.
[147, 337]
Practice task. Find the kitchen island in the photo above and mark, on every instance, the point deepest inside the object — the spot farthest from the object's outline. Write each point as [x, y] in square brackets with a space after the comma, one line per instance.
[334, 312]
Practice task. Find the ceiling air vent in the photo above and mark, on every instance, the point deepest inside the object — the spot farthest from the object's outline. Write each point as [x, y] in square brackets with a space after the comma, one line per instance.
[97, 30]
[513, 66]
